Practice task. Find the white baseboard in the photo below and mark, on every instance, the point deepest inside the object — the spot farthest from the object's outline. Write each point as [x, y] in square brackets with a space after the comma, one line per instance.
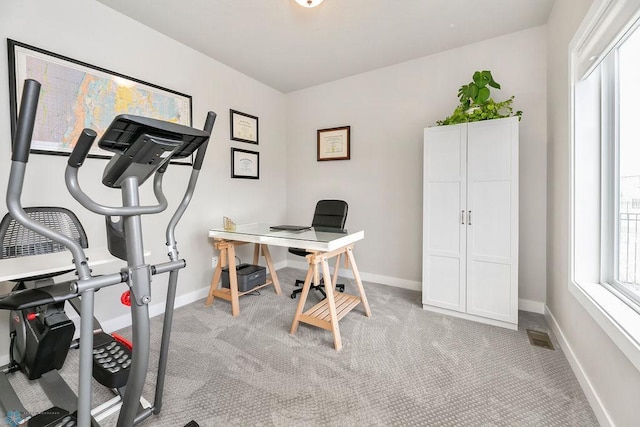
[523, 304]
[596, 404]
[367, 277]
[182, 300]
[154, 310]
[480, 319]
[157, 309]
[531, 306]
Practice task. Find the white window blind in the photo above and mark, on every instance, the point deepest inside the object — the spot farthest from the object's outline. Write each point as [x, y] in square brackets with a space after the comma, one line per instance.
[607, 23]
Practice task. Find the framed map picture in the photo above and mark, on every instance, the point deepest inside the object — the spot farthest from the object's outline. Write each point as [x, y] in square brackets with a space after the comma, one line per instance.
[76, 95]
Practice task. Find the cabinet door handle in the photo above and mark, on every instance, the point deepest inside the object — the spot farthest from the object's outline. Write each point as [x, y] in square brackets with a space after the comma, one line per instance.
[469, 218]
[462, 217]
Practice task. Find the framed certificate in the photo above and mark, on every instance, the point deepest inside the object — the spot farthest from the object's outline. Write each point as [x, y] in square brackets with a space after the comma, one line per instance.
[334, 143]
[245, 164]
[244, 127]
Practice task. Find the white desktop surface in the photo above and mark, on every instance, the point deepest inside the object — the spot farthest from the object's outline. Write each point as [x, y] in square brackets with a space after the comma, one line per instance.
[310, 239]
[36, 265]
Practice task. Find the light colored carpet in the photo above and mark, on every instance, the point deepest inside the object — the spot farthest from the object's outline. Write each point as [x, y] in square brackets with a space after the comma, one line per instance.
[402, 366]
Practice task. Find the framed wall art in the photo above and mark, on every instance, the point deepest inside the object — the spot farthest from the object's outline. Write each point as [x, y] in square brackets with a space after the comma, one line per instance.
[76, 95]
[334, 143]
[244, 127]
[245, 164]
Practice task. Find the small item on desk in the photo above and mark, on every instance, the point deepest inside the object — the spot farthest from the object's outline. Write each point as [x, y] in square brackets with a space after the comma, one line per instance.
[249, 276]
[228, 224]
[289, 227]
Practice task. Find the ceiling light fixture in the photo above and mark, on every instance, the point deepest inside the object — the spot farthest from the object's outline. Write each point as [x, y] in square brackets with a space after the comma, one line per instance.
[309, 3]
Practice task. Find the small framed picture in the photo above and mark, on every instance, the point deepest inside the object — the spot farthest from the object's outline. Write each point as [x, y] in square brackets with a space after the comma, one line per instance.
[245, 164]
[244, 127]
[334, 143]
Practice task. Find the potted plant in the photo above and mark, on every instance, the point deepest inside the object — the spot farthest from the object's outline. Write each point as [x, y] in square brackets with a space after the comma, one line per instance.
[476, 103]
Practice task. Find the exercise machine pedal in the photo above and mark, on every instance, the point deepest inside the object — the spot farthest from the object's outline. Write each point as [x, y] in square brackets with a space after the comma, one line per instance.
[111, 361]
[53, 417]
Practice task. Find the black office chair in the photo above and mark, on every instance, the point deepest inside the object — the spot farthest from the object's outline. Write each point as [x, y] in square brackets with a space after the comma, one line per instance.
[18, 241]
[330, 215]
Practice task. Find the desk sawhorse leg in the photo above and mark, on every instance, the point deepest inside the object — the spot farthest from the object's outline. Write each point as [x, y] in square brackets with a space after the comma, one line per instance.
[328, 312]
[227, 256]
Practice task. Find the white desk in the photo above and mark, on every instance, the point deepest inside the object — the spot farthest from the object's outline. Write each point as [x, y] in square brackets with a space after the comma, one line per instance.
[311, 239]
[36, 265]
[321, 245]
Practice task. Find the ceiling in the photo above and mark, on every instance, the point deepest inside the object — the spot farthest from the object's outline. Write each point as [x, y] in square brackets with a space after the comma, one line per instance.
[288, 47]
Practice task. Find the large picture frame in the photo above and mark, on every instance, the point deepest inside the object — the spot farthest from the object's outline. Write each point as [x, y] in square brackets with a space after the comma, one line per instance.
[334, 143]
[245, 164]
[244, 127]
[75, 95]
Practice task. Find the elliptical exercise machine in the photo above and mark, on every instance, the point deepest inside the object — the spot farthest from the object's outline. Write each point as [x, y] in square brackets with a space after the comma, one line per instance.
[142, 147]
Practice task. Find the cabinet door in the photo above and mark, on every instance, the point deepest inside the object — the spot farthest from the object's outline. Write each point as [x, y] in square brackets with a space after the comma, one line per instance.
[443, 264]
[492, 230]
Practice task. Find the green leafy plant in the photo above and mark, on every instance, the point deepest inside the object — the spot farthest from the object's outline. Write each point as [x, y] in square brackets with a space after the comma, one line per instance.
[476, 103]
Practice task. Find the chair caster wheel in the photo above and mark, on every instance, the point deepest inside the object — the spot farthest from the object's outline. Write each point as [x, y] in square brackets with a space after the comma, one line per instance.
[293, 296]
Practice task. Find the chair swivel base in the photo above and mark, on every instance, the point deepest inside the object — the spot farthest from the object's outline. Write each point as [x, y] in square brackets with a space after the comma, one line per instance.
[319, 287]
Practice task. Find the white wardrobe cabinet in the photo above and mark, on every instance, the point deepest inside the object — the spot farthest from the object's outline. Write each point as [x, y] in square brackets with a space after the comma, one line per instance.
[470, 221]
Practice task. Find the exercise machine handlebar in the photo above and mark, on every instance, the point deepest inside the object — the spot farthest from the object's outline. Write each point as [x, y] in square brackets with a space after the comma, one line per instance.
[24, 129]
[77, 158]
[81, 150]
[197, 165]
[208, 127]
[73, 185]
[20, 157]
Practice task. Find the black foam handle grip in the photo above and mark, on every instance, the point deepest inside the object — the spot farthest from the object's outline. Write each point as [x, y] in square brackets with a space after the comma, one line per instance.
[26, 121]
[81, 150]
[208, 127]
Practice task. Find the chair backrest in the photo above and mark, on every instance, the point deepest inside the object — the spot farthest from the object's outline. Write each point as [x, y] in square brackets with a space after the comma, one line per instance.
[18, 241]
[330, 214]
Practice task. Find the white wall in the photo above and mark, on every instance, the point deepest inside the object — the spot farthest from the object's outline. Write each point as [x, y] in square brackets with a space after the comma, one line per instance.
[89, 31]
[609, 379]
[387, 110]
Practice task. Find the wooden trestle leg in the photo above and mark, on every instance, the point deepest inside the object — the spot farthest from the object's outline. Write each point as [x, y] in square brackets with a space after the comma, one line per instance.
[328, 312]
[228, 257]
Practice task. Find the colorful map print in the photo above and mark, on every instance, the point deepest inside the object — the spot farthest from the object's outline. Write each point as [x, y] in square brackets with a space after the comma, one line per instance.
[72, 99]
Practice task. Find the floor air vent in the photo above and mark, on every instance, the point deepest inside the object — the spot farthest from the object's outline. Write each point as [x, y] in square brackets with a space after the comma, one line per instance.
[540, 339]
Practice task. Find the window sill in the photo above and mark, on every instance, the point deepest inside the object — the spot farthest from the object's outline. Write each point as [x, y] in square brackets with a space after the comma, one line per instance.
[619, 321]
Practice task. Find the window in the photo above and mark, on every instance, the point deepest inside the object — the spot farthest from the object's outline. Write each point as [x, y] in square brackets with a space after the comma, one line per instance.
[605, 171]
[622, 140]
